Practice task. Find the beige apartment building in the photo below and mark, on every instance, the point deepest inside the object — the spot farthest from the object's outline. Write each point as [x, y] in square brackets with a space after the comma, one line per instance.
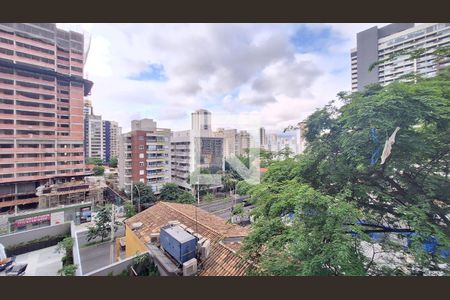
[42, 92]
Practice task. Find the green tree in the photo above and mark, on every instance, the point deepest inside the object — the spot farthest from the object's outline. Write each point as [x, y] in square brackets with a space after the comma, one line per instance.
[313, 241]
[208, 197]
[145, 193]
[238, 210]
[98, 170]
[68, 270]
[266, 158]
[113, 162]
[172, 192]
[94, 161]
[65, 247]
[285, 153]
[342, 165]
[130, 210]
[102, 225]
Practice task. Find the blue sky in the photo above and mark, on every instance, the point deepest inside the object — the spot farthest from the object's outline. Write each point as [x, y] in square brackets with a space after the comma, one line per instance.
[272, 74]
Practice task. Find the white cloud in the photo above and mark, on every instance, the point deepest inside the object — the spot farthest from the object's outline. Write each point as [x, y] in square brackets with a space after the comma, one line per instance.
[226, 68]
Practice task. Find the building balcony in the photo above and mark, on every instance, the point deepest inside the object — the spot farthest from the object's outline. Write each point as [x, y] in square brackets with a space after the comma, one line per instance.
[35, 127]
[27, 41]
[34, 159]
[33, 80]
[34, 90]
[34, 62]
[40, 100]
[6, 125]
[33, 150]
[35, 118]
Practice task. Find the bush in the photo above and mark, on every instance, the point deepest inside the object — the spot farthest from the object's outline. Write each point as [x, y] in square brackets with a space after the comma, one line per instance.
[208, 197]
[68, 270]
[98, 170]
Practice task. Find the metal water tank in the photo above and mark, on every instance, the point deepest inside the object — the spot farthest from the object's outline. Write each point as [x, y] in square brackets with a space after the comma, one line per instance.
[180, 244]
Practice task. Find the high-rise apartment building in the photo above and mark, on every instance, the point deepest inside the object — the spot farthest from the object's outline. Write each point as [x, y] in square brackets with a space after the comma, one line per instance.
[180, 158]
[234, 142]
[229, 140]
[111, 136]
[196, 149]
[94, 137]
[41, 109]
[201, 123]
[262, 138]
[101, 137]
[377, 44]
[243, 140]
[144, 156]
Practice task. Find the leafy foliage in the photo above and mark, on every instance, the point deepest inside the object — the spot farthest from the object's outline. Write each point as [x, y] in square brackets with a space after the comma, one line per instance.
[335, 179]
[98, 170]
[172, 192]
[145, 193]
[113, 162]
[102, 226]
[94, 161]
[314, 241]
[130, 210]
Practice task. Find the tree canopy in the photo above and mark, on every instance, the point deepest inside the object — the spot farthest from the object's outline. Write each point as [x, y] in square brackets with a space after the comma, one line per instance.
[172, 192]
[144, 193]
[340, 174]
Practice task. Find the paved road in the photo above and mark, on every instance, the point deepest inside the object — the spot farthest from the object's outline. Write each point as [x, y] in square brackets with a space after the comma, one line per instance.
[222, 208]
[95, 256]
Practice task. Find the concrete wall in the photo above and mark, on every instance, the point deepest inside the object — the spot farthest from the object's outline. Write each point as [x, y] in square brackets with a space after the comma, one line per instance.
[133, 244]
[76, 250]
[367, 51]
[33, 234]
[113, 269]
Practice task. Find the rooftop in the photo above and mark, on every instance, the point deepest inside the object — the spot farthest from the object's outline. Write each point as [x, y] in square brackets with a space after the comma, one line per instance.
[43, 262]
[225, 238]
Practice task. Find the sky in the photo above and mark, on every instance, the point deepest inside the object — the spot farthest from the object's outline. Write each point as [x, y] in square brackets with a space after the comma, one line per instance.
[270, 75]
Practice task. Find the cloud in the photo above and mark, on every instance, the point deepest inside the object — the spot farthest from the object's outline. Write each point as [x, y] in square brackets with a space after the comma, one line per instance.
[281, 72]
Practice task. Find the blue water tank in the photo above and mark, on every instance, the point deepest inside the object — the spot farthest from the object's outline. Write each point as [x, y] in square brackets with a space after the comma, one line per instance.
[179, 243]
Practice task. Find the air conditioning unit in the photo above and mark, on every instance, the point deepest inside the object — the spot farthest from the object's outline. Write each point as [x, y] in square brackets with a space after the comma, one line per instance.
[175, 222]
[200, 243]
[205, 250]
[154, 238]
[136, 225]
[190, 267]
[198, 236]
[190, 230]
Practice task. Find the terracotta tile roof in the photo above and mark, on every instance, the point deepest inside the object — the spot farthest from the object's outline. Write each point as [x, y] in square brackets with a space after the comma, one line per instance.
[223, 260]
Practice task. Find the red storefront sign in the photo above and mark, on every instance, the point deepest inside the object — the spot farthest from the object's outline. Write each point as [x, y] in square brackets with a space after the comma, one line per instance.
[30, 220]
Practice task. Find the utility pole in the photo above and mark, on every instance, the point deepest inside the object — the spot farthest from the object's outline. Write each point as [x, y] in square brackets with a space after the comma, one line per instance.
[112, 233]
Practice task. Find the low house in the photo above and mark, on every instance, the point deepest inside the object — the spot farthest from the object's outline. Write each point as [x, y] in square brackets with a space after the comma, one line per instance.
[223, 239]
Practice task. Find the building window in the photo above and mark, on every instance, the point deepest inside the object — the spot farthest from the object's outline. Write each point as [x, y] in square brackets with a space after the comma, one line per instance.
[141, 147]
[141, 164]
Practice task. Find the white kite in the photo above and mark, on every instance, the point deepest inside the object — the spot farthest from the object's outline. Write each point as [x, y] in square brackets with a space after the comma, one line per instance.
[388, 146]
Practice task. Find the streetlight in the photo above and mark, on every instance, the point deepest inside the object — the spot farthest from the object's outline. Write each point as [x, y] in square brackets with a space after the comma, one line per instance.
[139, 196]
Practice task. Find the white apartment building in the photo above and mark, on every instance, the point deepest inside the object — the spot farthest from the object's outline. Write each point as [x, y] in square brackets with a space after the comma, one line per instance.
[196, 148]
[94, 137]
[377, 44]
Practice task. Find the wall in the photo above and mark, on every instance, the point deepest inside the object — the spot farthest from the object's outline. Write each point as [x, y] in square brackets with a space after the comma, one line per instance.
[76, 250]
[133, 243]
[367, 51]
[113, 269]
[33, 234]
